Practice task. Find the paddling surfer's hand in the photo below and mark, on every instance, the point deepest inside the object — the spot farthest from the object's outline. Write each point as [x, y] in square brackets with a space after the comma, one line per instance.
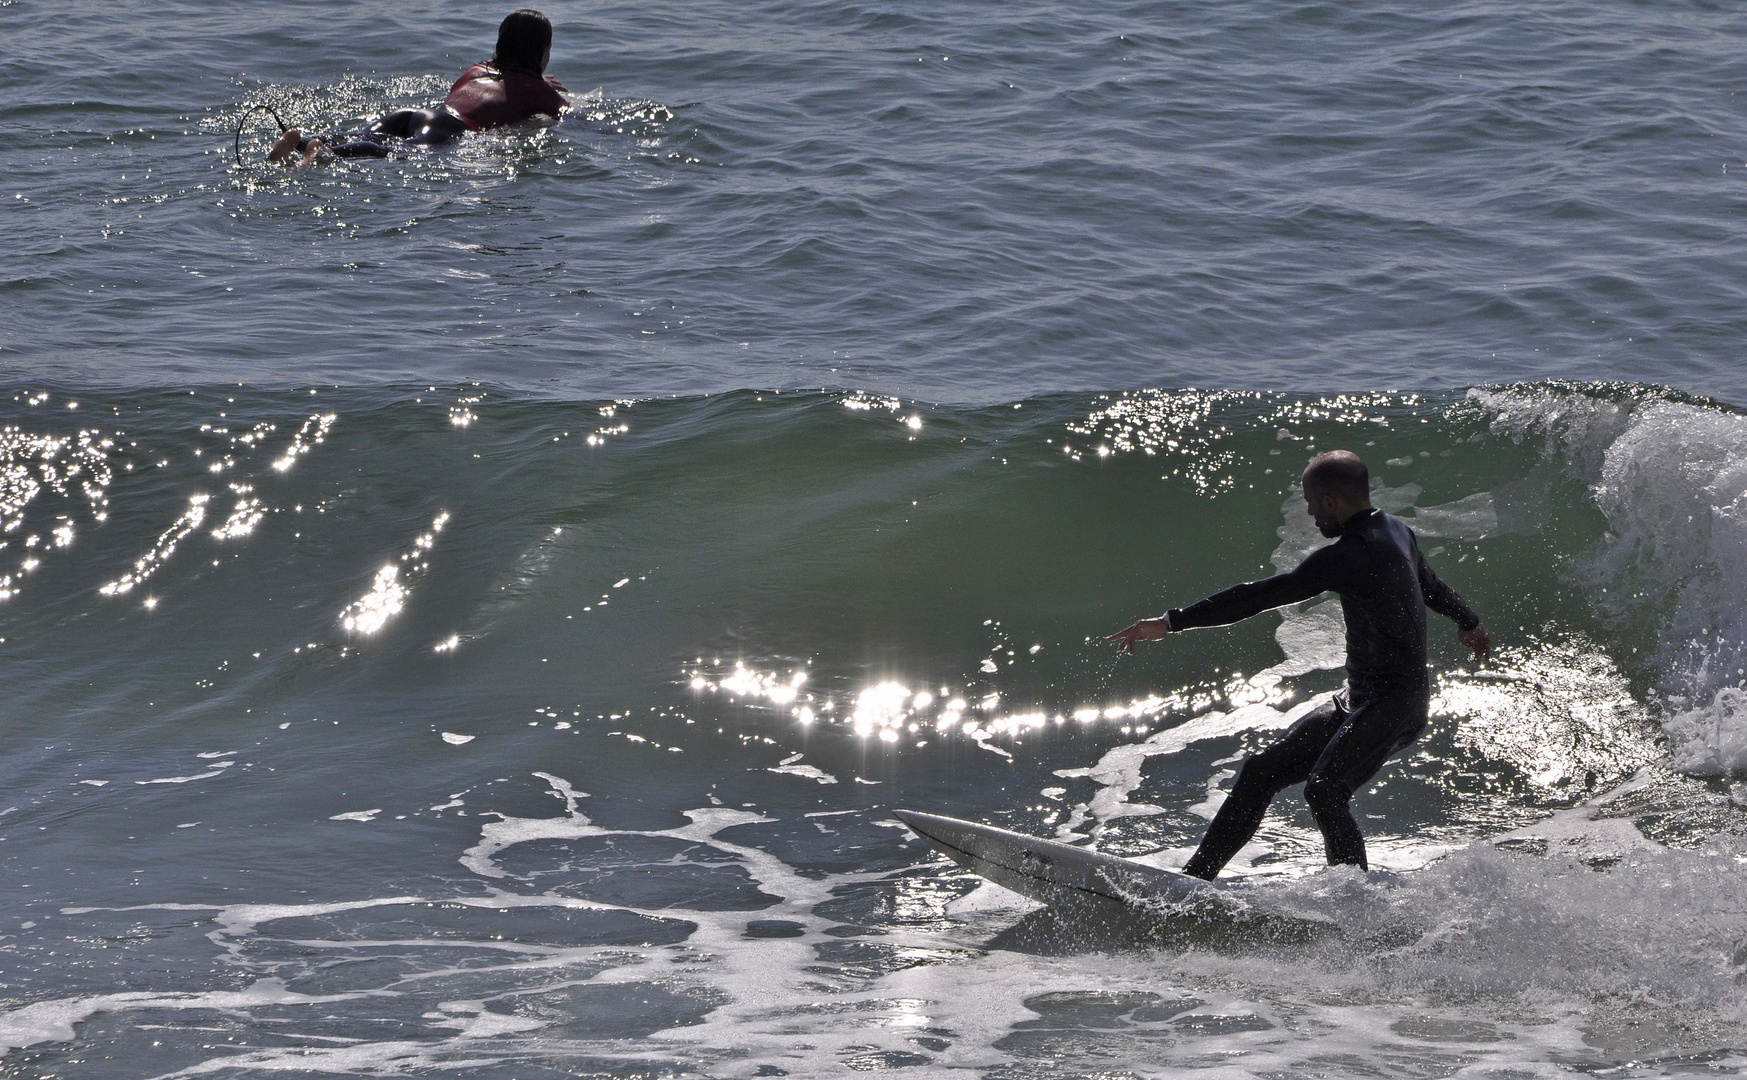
[1478, 639]
[1144, 630]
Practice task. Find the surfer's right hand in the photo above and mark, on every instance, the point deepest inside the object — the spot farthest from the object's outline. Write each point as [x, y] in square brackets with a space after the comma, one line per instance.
[1144, 630]
[1477, 639]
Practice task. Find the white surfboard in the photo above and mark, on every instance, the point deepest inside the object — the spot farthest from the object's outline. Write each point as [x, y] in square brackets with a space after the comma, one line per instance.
[1046, 870]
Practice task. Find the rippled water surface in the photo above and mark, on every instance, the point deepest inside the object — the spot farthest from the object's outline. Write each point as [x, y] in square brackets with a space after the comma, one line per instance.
[472, 614]
[940, 199]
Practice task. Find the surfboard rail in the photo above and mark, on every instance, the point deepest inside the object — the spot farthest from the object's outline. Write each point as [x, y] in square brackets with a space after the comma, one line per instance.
[1047, 871]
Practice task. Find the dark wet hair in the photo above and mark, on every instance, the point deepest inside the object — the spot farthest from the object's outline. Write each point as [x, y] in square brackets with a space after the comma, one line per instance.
[1340, 473]
[522, 40]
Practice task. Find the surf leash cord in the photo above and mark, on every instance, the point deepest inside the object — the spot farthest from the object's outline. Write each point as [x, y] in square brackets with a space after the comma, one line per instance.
[243, 120]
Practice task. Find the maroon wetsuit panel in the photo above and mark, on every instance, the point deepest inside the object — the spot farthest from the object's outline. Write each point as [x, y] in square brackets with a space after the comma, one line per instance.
[484, 97]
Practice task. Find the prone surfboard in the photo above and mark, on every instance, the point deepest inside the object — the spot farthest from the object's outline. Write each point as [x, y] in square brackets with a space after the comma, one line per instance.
[1047, 870]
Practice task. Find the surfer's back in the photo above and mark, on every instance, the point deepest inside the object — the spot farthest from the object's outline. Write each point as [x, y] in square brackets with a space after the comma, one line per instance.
[1385, 586]
[1379, 586]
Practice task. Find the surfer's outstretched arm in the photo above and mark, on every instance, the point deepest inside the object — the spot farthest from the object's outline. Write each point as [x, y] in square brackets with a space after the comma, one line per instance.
[1314, 575]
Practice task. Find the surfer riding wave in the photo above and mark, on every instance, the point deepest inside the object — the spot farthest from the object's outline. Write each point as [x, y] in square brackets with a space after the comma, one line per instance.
[1385, 586]
[510, 87]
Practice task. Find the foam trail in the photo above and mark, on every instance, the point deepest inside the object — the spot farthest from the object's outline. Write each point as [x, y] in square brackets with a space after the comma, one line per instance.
[53, 1021]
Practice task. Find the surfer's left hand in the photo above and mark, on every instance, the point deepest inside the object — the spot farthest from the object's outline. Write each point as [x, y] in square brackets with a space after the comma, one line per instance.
[1144, 630]
[1478, 639]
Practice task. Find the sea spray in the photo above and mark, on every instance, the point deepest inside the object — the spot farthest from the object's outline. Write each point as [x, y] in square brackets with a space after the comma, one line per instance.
[1669, 475]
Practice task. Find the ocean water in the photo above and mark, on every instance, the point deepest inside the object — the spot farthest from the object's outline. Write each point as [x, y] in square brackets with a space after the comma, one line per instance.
[472, 614]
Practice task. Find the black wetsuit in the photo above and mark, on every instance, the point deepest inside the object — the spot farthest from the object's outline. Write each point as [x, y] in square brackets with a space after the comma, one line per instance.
[1385, 586]
[416, 127]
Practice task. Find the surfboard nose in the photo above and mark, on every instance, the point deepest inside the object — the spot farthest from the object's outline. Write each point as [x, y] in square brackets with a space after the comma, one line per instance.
[920, 822]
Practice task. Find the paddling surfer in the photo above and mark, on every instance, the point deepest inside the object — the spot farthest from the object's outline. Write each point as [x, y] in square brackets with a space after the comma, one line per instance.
[510, 87]
[1385, 586]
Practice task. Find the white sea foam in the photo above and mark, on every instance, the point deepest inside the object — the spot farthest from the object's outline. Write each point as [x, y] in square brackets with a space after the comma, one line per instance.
[1670, 477]
[1710, 739]
[218, 768]
[53, 1020]
[809, 772]
[1486, 963]
[1661, 928]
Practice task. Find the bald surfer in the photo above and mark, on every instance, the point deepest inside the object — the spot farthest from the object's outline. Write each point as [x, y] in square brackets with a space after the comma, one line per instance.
[1385, 585]
[510, 87]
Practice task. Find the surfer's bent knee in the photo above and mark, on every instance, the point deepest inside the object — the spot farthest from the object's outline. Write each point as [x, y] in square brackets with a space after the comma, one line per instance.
[1254, 772]
[1326, 791]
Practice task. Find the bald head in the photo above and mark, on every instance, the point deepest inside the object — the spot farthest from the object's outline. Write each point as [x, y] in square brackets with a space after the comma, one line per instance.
[1339, 473]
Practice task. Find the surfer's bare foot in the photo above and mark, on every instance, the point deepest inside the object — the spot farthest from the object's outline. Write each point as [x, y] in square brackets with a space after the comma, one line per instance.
[286, 146]
[316, 154]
